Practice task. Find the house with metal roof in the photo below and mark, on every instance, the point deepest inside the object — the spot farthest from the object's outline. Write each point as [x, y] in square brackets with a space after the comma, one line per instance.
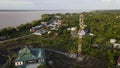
[30, 57]
[116, 45]
[39, 27]
[41, 32]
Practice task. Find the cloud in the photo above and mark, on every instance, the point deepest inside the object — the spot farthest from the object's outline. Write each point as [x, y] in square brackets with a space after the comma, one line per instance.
[106, 0]
[11, 4]
[7, 2]
[59, 4]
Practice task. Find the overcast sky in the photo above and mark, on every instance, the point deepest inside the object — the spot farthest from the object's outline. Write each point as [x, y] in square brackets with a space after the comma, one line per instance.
[58, 4]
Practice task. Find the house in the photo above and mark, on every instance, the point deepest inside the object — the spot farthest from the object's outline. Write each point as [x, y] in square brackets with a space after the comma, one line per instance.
[86, 31]
[30, 57]
[95, 45]
[73, 55]
[116, 45]
[51, 25]
[113, 41]
[68, 28]
[44, 23]
[118, 61]
[73, 28]
[73, 32]
[3, 38]
[81, 32]
[41, 32]
[33, 29]
[117, 16]
[57, 23]
[50, 21]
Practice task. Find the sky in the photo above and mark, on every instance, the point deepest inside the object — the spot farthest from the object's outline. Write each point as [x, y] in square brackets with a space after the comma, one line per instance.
[58, 4]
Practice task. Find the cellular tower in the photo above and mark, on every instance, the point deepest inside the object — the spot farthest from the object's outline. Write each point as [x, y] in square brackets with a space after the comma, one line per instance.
[80, 35]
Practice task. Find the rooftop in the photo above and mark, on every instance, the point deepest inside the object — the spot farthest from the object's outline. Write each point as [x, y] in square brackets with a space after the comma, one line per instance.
[29, 57]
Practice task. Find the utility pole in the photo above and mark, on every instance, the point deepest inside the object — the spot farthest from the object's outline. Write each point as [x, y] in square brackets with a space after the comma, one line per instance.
[80, 35]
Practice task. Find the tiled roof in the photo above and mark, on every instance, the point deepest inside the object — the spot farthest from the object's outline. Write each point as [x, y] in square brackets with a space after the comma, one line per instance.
[30, 54]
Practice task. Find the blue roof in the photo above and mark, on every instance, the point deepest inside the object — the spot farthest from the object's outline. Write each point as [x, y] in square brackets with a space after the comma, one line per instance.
[50, 21]
[27, 54]
[39, 27]
[30, 54]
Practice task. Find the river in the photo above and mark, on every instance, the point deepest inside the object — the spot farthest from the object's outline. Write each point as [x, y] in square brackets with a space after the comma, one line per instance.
[15, 18]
